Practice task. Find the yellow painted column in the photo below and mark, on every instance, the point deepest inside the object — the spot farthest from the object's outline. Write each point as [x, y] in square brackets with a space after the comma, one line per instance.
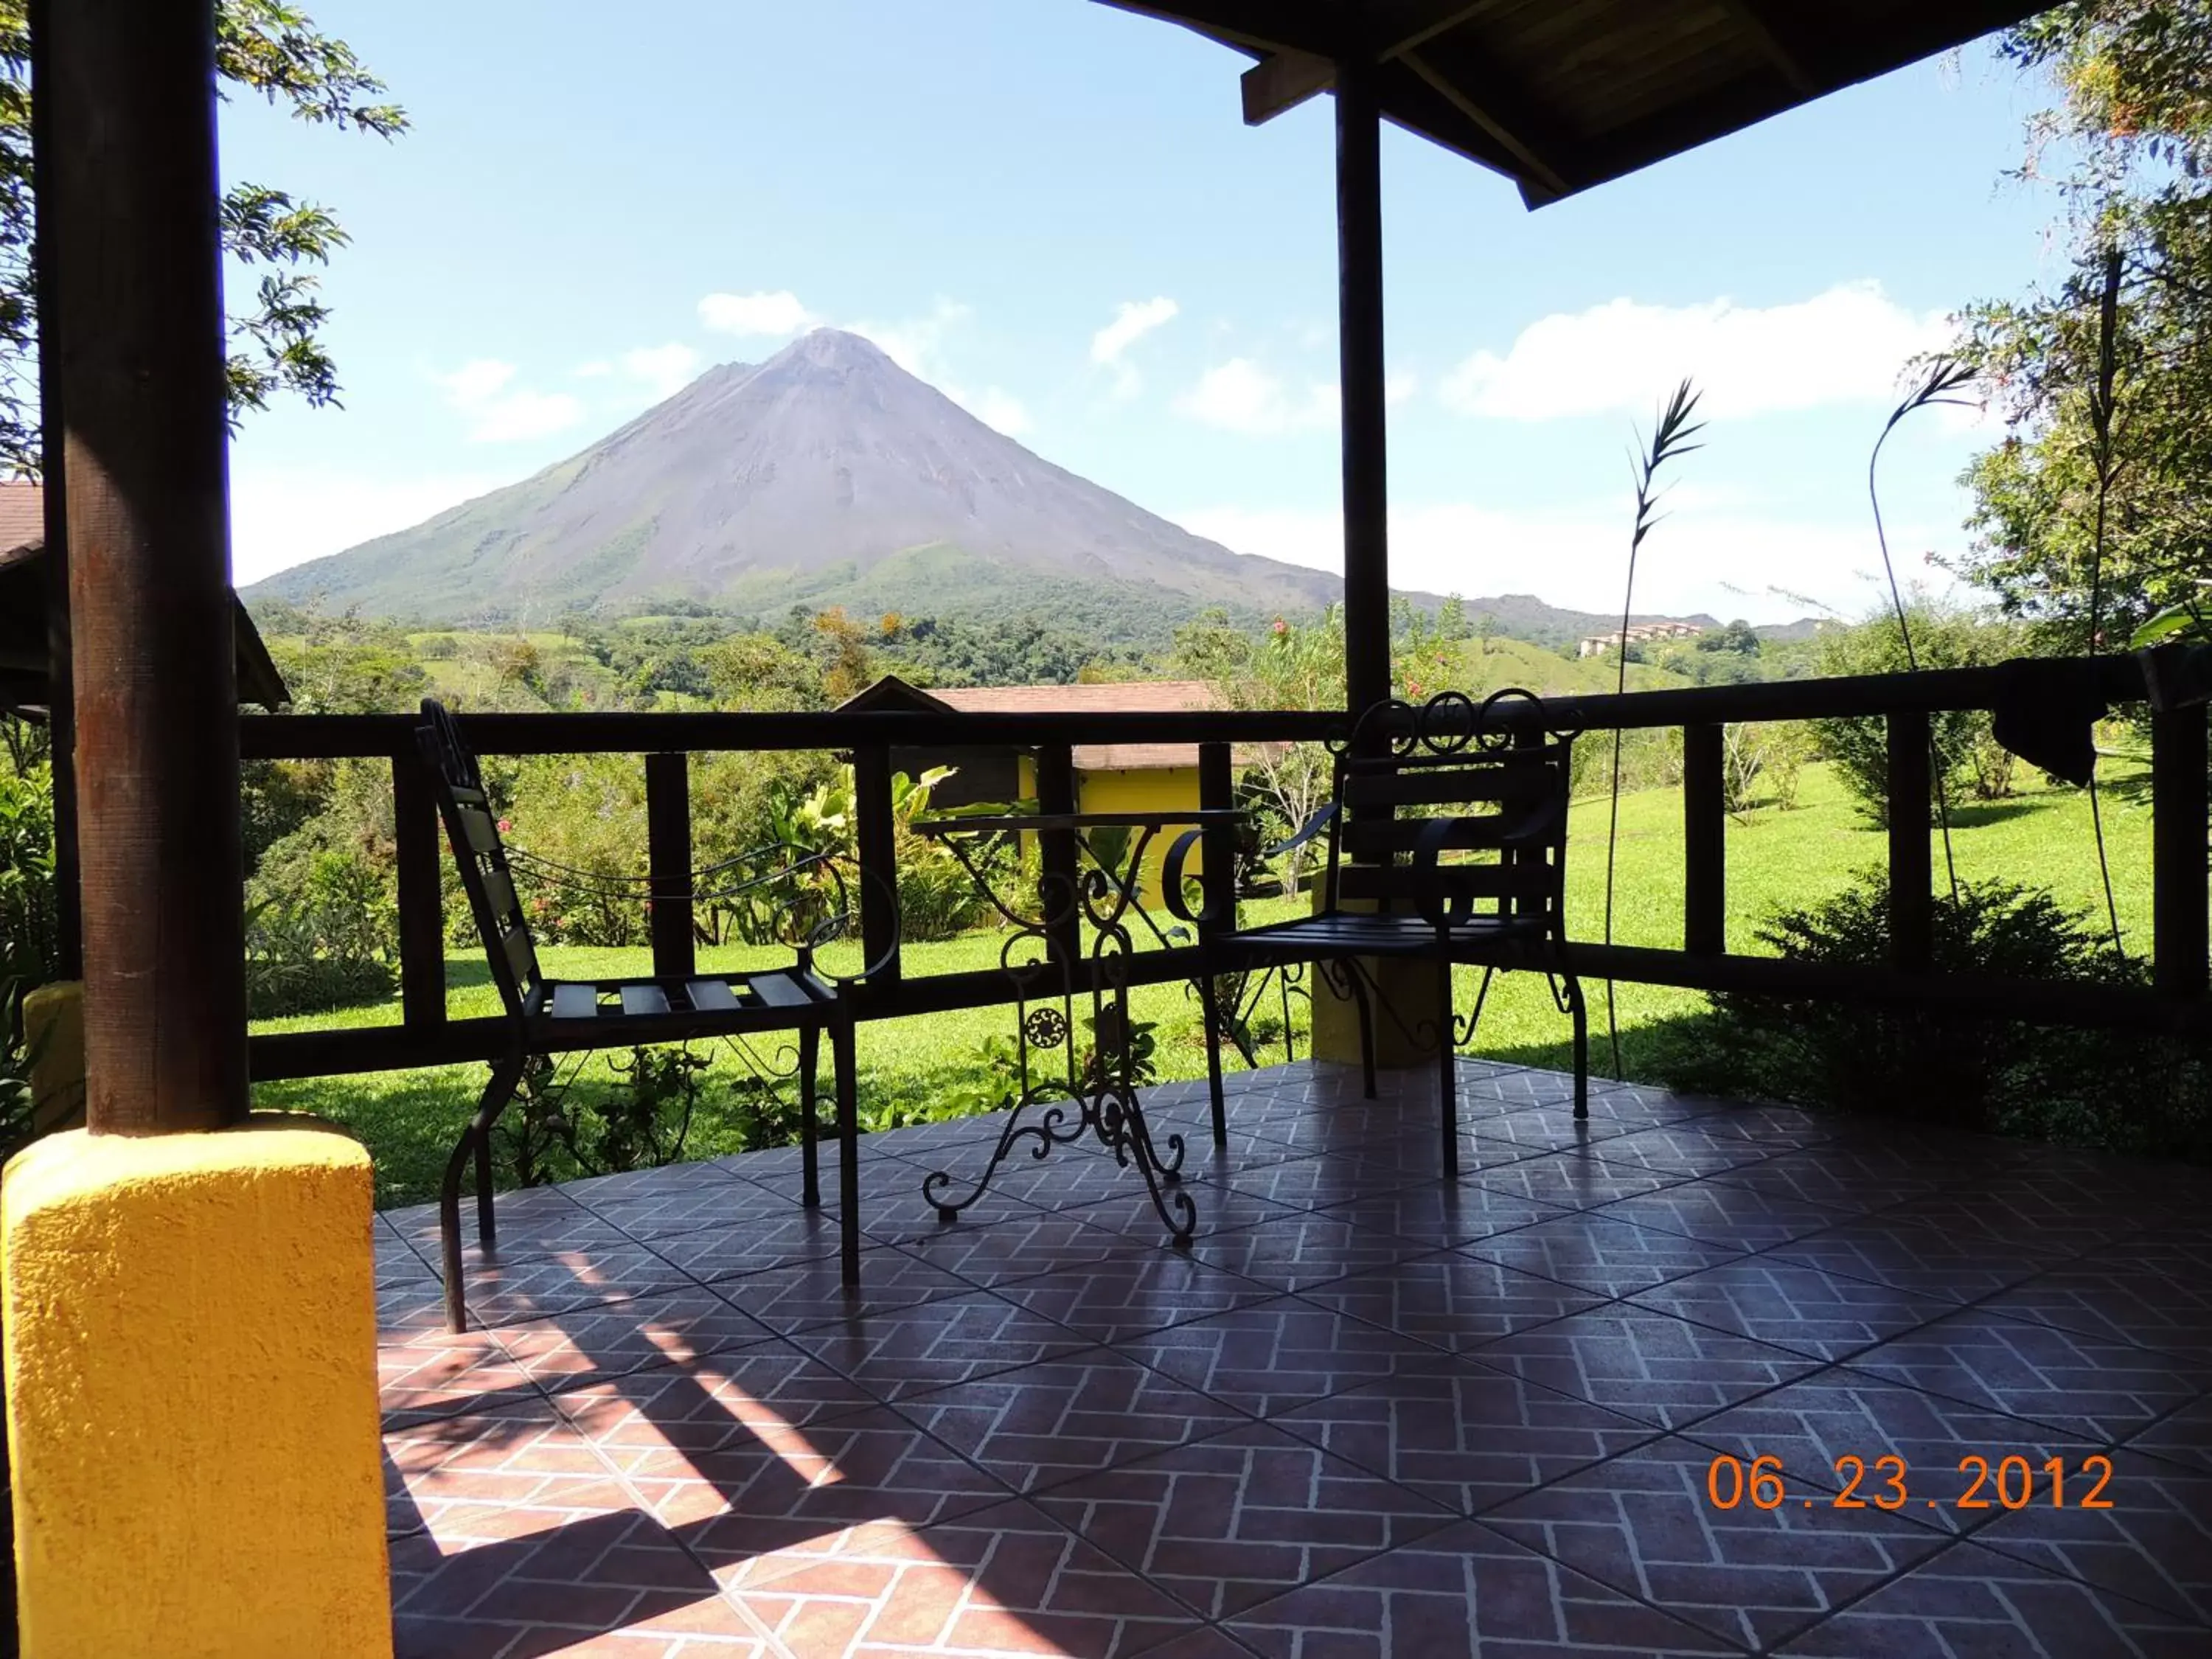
[191, 1363]
[1408, 990]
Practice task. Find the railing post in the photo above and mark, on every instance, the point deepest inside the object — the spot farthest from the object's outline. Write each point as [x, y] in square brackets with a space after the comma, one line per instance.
[668, 863]
[1911, 870]
[416, 836]
[1704, 845]
[1217, 792]
[876, 837]
[1056, 782]
[2178, 889]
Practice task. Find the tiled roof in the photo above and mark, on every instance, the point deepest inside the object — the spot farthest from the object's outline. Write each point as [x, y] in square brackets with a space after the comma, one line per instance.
[1120, 698]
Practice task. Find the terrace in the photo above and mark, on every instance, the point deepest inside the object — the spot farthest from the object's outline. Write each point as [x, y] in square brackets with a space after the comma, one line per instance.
[1371, 1412]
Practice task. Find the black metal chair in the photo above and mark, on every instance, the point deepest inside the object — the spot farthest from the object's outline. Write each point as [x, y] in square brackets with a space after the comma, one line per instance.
[546, 1016]
[1389, 826]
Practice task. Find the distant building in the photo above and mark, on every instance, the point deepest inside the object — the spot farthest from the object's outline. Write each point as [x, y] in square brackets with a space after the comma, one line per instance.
[1110, 777]
[1596, 645]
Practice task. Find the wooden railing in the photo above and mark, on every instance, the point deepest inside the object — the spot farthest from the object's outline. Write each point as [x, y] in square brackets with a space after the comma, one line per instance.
[425, 1035]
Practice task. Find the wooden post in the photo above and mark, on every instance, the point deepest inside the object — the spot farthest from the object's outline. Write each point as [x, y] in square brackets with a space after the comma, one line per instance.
[1704, 844]
[1216, 791]
[668, 863]
[2178, 892]
[416, 836]
[1361, 375]
[61, 693]
[877, 838]
[1055, 786]
[137, 334]
[1911, 873]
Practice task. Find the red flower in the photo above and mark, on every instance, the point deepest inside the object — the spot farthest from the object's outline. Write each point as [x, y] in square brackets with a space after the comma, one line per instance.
[1413, 688]
[1281, 627]
[506, 826]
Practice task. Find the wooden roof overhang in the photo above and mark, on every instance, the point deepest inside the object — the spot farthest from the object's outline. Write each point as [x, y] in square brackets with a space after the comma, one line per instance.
[1562, 94]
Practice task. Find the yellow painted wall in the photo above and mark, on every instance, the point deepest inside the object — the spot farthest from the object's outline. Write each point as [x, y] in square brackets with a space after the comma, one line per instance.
[191, 1364]
[1163, 789]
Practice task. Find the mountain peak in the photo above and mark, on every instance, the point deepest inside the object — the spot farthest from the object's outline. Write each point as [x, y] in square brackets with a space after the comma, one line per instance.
[834, 347]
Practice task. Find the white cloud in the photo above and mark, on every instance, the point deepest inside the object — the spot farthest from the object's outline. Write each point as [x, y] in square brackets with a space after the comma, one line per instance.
[1847, 345]
[777, 316]
[498, 411]
[1132, 320]
[663, 370]
[917, 344]
[283, 516]
[1401, 388]
[1239, 395]
[1723, 557]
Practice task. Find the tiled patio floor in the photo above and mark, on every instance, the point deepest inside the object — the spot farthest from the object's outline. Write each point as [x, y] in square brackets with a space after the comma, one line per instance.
[1372, 1414]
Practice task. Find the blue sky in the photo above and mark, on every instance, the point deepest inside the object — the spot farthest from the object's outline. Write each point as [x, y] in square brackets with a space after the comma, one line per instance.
[589, 209]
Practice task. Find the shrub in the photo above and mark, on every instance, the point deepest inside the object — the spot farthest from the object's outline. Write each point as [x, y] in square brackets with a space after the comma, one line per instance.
[2115, 1089]
[30, 942]
[320, 940]
[1972, 765]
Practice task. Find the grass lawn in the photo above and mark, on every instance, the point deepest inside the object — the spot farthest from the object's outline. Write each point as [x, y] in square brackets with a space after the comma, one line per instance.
[909, 1066]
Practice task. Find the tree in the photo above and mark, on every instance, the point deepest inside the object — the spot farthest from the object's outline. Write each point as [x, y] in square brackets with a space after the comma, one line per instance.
[2134, 80]
[265, 46]
[1291, 665]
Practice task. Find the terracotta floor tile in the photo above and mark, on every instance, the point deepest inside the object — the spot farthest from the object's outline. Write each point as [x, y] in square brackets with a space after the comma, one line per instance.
[1227, 1522]
[774, 1488]
[1048, 1423]
[1917, 1256]
[1274, 1355]
[2182, 1437]
[1974, 1602]
[1648, 1366]
[898, 1351]
[1310, 1247]
[1798, 1308]
[2080, 1385]
[1686, 1149]
[2153, 1545]
[1452, 1300]
[2155, 1292]
[534, 1222]
[1442, 1215]
[1605, 1257]
[500, 1475]
[808, 1293]
[1022, 1247]
[588, 1344]
[511, 1293]
[1573, 1180]
[1124, 1297]
[635, 1421]
[428, 1373]
[1646, 1523]
[1461, 1434]
[648, 1214]
[1862, 1179]
[1464, 1593]
[778, 1235]
[1003, 1580]
[1714, 1212]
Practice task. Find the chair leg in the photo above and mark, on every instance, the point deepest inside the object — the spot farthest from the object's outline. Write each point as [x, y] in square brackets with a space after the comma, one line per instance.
[1209, 1007]
[487, 1227]
[1580, 1016]
[848, 1148]
[810, 1162]
[1447, 1082]
[1360, 1001]
[475, 1142]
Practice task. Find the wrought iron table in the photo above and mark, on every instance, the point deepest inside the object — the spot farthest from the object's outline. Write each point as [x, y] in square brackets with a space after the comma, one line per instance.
[1096, 891]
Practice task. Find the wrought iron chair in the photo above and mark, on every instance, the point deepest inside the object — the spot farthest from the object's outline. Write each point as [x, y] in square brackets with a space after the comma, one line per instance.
[546, 1016]
[1412, 785]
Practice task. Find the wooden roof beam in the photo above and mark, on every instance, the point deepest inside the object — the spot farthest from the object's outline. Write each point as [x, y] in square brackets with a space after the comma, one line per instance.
[1285, 78]
[1779, 43]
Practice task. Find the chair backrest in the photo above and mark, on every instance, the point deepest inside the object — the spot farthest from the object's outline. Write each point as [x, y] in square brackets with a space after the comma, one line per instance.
[1495, 775]
[472, 829]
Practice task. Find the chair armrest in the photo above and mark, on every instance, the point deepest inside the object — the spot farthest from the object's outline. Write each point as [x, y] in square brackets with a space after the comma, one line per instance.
[1312, 827]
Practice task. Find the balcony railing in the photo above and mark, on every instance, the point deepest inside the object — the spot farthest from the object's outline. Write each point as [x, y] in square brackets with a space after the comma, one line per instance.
[425, 1035]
